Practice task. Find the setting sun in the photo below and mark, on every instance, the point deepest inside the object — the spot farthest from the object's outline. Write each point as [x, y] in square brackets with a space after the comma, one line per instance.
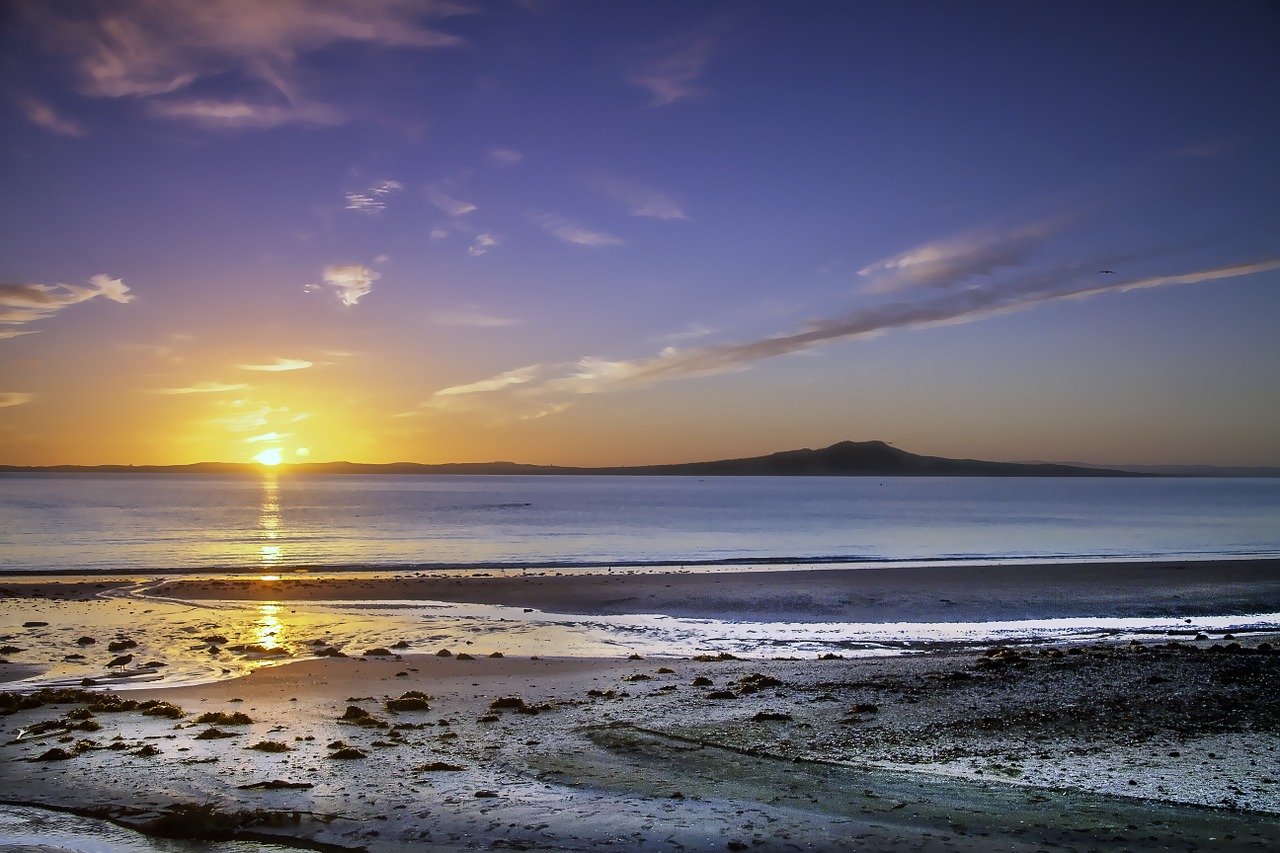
[269, 457]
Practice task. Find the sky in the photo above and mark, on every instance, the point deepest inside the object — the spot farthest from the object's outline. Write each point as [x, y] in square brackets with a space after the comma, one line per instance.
[583, 233]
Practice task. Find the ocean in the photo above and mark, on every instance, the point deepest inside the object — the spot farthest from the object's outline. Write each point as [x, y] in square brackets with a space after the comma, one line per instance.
[160, 525]
[54, 523]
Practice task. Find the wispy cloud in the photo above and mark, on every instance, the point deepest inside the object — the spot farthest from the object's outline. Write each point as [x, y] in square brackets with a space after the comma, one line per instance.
[480, 245]
[505, 156]
[201, 388]
[26, 303]
[268, 436]
[472, 318]
[167, 349]
[43, 115]
[519, 376]
[958, 287]
[641, 201]
[571, 232]
[14, 398]
[373, 199]
[349, 282]
[953, 262]
[672, 71]
[255, 418]
[279, 364]
[15, 333]
[448, 203]
[157, 50]
[592, 375]
[693, 330]
[246, 114]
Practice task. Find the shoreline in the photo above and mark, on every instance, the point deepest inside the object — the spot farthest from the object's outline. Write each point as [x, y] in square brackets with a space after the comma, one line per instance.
[1026, 744]
[727, 564]
[986, 592]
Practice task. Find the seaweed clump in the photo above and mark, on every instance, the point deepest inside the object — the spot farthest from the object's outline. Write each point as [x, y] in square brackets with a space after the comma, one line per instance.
[412, 700]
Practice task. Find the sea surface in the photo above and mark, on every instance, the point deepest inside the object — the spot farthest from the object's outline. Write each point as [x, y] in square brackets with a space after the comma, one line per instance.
[53, 523]
[157, 526]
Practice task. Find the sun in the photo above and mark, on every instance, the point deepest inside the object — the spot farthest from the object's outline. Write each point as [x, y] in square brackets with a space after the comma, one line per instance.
[270, 457]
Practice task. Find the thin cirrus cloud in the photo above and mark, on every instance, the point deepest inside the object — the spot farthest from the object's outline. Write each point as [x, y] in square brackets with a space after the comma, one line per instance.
[641, 201]
[591, 375]
[280, 364]
[448, 203]
[471, 318]
[27, 303]
[43, 115]
[571, 232]
[374, 199]
[946, 263]
[505, 156]
[519, 376]
[14, 398]
[156, 51]
[268, 436]
[246, 114]
[671, 73]
[349, 282]
[958, 288]
[202, 388]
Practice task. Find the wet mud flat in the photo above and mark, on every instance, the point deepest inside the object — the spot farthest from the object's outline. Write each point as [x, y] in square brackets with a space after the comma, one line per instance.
[1158, 745]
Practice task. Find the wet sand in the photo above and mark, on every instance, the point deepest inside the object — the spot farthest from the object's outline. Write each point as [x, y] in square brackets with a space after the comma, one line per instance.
[935, 593]
[1170, 743]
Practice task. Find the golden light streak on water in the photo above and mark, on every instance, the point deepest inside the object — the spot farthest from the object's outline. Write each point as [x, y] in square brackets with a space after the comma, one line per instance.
[270, 521]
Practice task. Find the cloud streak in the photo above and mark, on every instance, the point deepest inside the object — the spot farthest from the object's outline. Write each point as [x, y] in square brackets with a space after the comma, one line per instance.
[642, 201]
[42, 115]
[571, 232]
[591, 375]
[280, 364]
[472, 319]
[27, 303]
[950, 263]
[450, 204]
[158, 50]
[519, 376]
[672, 73]
[374, 199]
[201, 388]
[954, 283]
[14, 398]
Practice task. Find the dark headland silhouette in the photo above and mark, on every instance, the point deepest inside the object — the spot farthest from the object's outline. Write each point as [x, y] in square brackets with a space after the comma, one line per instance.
[845, 459]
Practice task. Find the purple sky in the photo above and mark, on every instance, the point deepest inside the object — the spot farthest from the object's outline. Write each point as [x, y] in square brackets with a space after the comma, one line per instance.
[584, 232]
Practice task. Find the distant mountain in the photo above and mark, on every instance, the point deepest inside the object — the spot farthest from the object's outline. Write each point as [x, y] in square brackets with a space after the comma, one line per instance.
[1234, 471]
[845, 459]
[868, 458]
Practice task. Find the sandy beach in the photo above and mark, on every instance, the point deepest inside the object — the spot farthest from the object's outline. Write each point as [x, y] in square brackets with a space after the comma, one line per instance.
[1165, 742]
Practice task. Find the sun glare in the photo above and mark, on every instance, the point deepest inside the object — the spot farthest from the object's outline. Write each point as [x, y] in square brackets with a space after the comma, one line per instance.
[270, 457]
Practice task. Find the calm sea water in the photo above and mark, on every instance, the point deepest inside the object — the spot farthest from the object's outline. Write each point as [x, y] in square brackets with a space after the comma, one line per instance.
[54, 523]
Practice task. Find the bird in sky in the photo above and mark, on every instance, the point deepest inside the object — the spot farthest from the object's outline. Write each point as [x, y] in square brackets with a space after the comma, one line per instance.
[1106, 272]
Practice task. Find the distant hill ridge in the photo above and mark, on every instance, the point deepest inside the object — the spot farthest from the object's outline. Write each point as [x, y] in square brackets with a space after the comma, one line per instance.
[844, 459]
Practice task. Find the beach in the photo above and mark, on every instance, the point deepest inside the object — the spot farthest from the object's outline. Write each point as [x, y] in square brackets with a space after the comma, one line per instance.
[1166, 740]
